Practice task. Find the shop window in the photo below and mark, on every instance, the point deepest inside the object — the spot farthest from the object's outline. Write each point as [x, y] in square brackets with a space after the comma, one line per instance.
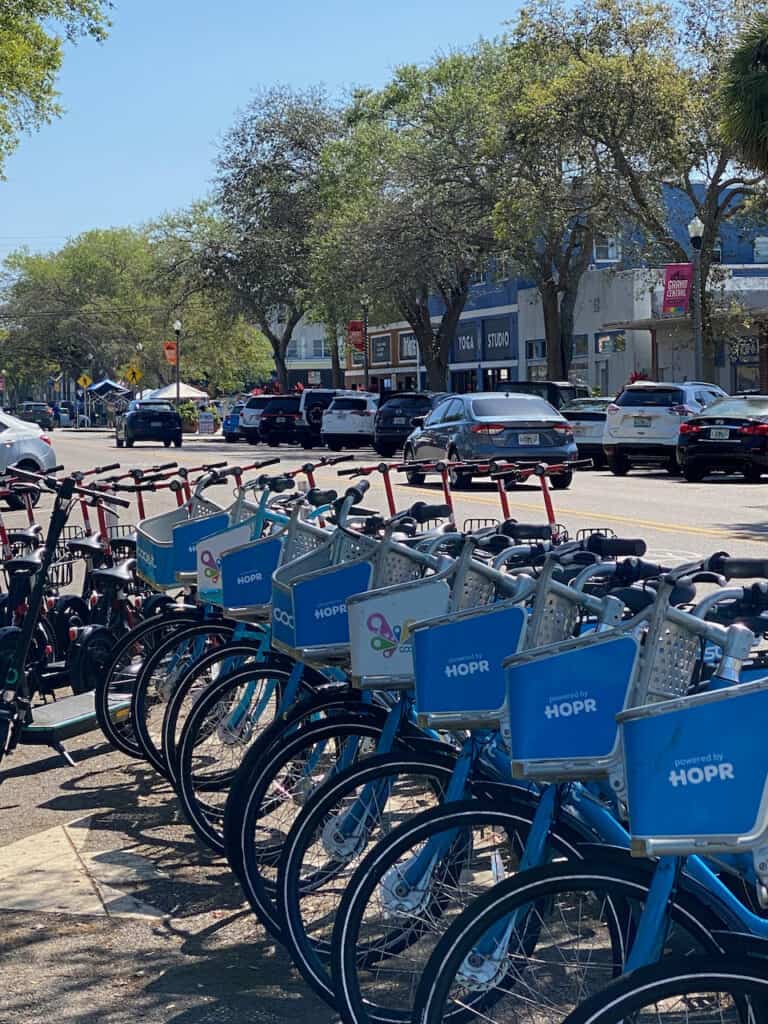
[760, 249]
[536, 349]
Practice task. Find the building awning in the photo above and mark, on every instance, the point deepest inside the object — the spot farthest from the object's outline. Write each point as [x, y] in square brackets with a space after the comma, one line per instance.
[655, 323]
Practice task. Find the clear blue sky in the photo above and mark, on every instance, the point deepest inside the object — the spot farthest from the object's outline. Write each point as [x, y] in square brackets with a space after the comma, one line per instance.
[145, 110]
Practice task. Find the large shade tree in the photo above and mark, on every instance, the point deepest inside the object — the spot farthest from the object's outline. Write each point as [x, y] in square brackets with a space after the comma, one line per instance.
[745, 93]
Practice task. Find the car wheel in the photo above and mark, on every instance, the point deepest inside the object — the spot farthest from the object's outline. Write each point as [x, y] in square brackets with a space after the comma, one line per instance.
[119, 442]
[386, 451]
[673, 466]
[230, 438]
[752, 474]
[167, 444]
[694, 472]
[412, 476]
[598, 461]
[178, 442]
[562, 481]
[459, 480]
[128, 442]
[618, 465]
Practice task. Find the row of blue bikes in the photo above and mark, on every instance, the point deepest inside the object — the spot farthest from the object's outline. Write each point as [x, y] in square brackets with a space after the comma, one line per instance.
[493, 773]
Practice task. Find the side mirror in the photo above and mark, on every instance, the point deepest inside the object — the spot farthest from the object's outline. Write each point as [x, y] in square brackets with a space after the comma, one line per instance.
[418, 421]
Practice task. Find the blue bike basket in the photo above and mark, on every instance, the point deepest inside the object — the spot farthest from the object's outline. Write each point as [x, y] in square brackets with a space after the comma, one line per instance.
[459, 679]
[696, 771]
[155, 559]
[563, 701]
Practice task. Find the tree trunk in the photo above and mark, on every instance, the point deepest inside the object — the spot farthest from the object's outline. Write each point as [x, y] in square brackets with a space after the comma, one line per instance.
[337, 380]
[762, 355]
[280, 365]
[550, 303]
[567, 309]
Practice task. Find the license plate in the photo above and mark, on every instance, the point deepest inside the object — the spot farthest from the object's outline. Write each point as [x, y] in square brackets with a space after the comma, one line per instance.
[280, 419]
[527, 438]
[642, 421]
[579, 431]
[399, 420]
[156, 424]
[719, 433]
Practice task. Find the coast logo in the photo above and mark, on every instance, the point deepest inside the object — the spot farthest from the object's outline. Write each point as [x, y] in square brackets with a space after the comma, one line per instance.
[388, 639]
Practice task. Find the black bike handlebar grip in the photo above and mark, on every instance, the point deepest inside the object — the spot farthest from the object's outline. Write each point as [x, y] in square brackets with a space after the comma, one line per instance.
[527, 531]
[264, 463]
[356, 493]
[422, 512]
[110, 499]
[637, 570]
[211, 465]
[335, 459]
[606, 547]
[317, 498]
[349, 472]
[164, 466]
[742, 568]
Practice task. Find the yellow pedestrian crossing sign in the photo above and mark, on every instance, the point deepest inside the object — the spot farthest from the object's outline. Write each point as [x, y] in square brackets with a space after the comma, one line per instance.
[133, 375]
[84, 380]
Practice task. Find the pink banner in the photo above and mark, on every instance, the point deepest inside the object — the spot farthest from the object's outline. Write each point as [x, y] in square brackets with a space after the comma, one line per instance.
[678, 283]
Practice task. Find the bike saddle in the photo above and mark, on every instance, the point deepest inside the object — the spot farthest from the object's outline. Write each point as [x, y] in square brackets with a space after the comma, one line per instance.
[85, 546]
[27, 562]
[29, 535]
[120, 573]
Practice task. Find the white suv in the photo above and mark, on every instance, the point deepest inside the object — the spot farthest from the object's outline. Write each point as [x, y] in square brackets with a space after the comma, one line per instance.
[348, 421]
[250, 417]
[642, 425]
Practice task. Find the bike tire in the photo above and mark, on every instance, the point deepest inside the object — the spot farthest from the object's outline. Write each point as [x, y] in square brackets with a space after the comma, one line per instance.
[622, 885]
[158, 678]
[118, 682]
[311, 954]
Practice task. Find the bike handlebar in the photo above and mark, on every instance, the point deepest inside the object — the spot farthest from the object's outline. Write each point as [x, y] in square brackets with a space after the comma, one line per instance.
[737, 568]
[612, 547]
[422, 512]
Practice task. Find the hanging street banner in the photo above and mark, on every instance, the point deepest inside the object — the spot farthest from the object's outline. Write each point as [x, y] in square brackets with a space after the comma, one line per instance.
[169, 348]
[678, 284]
[356, 335]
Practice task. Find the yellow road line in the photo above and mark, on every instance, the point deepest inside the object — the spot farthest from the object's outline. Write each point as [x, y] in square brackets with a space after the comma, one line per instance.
[564, 513]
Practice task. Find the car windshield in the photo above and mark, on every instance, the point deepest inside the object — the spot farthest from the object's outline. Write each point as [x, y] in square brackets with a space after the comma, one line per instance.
[651, 396]
[285, 404]
[753, 406]
[513, 408]
[587, 405]
[347, 404]
[259, 402]
[153, 406]
[412, 405]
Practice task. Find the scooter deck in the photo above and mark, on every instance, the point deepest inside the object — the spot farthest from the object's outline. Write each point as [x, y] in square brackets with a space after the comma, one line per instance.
[62, 719]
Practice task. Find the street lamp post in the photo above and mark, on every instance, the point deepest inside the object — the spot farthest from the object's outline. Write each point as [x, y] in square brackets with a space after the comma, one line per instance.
[366, 377]
[696, 233]
[177, 332]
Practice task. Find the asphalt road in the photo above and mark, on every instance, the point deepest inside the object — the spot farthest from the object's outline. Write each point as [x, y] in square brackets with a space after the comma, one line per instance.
[199, 956]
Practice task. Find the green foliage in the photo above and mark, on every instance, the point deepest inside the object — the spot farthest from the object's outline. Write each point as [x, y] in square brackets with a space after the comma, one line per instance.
[31, 54]
[745, 93]
[108, 299]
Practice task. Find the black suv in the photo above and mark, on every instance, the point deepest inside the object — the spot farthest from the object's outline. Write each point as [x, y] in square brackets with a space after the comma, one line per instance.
[150, 420]
[393, 420]
[279, 421]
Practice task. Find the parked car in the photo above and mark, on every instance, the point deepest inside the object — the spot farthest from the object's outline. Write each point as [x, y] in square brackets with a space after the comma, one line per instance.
[587, 417]
[36, 412]
[230, 425]
[488, 425]
[556, 392]
[643, 424]
[312, 404]
[148, 420]
[278, 424]
[250, 417]
[730, 435]
[24, 445]
[392, 423]
[348, 421]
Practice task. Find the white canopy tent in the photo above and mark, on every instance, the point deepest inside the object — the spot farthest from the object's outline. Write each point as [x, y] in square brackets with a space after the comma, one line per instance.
[185, 391]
